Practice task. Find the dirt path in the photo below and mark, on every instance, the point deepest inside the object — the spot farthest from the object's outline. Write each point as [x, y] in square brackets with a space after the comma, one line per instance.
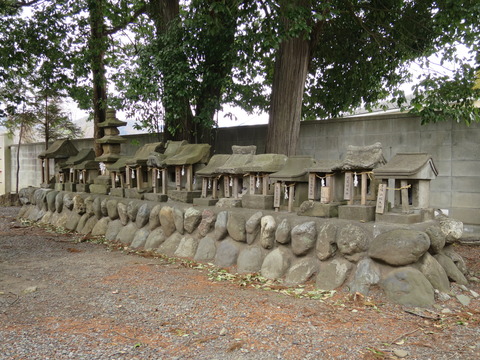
[61, 299]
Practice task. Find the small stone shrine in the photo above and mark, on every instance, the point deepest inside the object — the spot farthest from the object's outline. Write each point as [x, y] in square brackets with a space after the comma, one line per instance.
[359, 184]
[129, 175]
[111, 142]
[260, 195]
[408, 175]
[73, 176]
[189, 158]
[232, 173]
[291, 182]
[157, 169]
[59, 151]
[325, 190]
[210, 186]
[88, 171]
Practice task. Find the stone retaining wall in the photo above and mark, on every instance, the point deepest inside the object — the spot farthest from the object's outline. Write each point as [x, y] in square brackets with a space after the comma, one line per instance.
[412, 264]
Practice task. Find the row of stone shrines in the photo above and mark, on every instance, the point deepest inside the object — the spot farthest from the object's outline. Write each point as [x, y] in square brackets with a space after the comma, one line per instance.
[408, 262]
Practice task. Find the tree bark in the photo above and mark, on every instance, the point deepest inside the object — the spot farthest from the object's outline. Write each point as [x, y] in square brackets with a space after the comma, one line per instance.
[290, 74]
[98, 46]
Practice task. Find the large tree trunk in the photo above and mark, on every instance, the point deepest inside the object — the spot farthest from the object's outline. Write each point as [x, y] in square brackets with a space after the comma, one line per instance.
[98, 46]
[178, 120]
[290, 74]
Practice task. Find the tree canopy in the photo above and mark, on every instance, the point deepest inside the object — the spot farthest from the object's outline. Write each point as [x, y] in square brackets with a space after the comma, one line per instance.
[173, 64]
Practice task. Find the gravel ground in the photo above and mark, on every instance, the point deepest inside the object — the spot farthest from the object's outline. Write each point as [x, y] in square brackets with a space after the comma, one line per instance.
[64, 299]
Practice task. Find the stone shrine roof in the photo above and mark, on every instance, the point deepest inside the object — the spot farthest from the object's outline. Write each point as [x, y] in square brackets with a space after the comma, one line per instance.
[295, 169]
[408, 166]
[215, 162]
[234, 164]
[83, 155]
[157, 159]
[190, 154]
[60, 149]
[266, 163]
[325, 166]
[363, 157]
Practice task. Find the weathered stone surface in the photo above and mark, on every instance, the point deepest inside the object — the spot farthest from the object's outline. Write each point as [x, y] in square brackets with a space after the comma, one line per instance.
[63, 218]
[89, 205]
[302, 270]
[267, 232]
[366, 274]
[399, 247]
[434, 272]
[166, 220]
[451, 269]
[453, 229]
[97, 207]
[89, 225]
[79, 205]
[250, 260]
[41, 198]
[112, 209]
[101, 226]
[252, 227]
[46, 218]
[132, 210]
[59, 202]
[276, 263]
[153, 218]
[72, 221]
[127, 233]
[352, 242]
[437, 239]
[206, 249]
[143, 215]
[26, 194]
[113, 229]
[191, 219]
[68, 200]
[140, 237]
[326, 245]
[282, 234]
[170, 245]
[463, 299]
[228, 203]
[333, 273]
[122, 213]
[178, 219]
[221, 226]
[81, 223]
[227, 253]
[456, 258]
[187, 247]
[303, 238]
[208, 221]
[236, 227]
[155, 239]
[408, 286]
[103, 206]
[51, 197]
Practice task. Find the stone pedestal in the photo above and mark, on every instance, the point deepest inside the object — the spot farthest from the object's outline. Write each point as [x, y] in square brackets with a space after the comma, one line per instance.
[83, 188]
[133, 194]
[71, 187]
[315, 208]
[57, 186]
[155, 197]
[206, 201]
[229, 203]
[118, 192]
[262, 202]
[183, 195]
[364, 213]
[416, 216]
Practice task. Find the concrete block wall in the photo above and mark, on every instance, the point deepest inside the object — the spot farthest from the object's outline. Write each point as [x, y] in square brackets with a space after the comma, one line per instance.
[455, 149]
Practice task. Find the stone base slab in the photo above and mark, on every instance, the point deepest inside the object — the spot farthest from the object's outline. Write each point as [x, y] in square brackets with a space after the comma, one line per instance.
[83, 188]
[262, 202]
[229, 203]
[133, 194]
[118, 192]
[204, 201]
[315, 208]
[183, 195]
[364, 213]
[155, 197]
[59, 187]
[100, 189]
[401, 218]
[71, 187]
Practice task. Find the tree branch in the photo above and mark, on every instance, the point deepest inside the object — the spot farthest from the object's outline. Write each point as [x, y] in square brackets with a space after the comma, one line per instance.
[128, 21]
